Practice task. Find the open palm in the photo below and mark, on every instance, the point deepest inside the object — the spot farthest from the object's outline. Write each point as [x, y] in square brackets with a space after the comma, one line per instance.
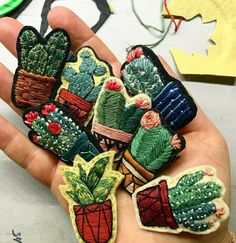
[205, 145]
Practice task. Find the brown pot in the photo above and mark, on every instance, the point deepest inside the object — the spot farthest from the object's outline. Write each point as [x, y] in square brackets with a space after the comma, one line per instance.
[94, 222]
[78, 106]
[135, 174]
[32, 89]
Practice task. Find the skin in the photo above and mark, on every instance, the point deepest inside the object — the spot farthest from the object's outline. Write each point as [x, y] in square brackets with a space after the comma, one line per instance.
[205, 145]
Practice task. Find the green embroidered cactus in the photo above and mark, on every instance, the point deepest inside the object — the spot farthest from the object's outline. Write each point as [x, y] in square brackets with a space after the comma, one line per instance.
[191, 201]
[81, 83]
[151, 149]
[54, 129]
[117, 116]
[40, 62]
[140, 75]
[90, 189]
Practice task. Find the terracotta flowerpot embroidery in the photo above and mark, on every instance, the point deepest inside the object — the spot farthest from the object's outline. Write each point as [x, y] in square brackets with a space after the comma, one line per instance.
[117, 116]
[81, 83]
[152, 148]
[53, 128]
[40, 62]
[90, 191]
[191, 201]
[143, 72]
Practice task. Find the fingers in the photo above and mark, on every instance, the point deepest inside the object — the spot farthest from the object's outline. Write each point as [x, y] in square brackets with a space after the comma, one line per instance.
[9, 29]
[6, 79]
[39, 163]
[81, 35]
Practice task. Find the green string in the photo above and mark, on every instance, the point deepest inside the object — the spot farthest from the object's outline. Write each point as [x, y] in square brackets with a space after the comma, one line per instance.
[162, 30]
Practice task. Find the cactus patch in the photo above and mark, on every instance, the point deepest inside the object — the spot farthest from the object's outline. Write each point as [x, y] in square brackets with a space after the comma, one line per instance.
[90, 191]
[53, 128]
[117, 116]
[191, 201]
[40, 63]
[81, 83]
[143, 73]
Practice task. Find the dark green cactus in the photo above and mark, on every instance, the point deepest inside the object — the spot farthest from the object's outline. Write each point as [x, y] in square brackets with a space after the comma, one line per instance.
[141, 76]
[191, 201]
[43, 59]
[114, 111]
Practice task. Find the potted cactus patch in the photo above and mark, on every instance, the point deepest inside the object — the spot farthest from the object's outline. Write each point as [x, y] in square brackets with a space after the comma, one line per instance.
[53, 128]
[152, 148]
[81, 83]
[40, 62]
[117, 116]
[144, 72]
[90, 191]
[191, 201]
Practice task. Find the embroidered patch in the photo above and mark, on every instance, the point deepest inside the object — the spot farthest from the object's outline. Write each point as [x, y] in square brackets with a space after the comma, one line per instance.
[152, 148]
[90, 191]
[40, 62]
[53, 128]
[191, 201]
[81, 83]
[143, 72]
[117, 116]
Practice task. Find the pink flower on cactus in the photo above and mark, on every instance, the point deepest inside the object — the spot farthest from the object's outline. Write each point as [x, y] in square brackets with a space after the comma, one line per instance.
[150, 119]
[35, 139]
[48, 108]
[134, 54]
[30, 117]
[113, 85]
[142, 104]
[54, 128]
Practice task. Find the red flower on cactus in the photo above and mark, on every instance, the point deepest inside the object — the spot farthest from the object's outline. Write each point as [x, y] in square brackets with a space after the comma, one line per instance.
[150, 119]
[48, 108]
[142, 104]
[113, 85]
[30, 117]
[134, 54]
[54, 128]
[35, 139]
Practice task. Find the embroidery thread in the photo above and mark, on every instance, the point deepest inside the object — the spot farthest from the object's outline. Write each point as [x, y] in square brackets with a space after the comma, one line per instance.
[152, 148]
[191, 201]
[40, 62]
[117, 116]
[81, 83]
[90, 191]
[53, 128]
[143, 73]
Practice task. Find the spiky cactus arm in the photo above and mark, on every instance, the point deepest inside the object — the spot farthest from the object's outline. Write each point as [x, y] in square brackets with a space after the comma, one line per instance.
[152, 147]
[54, 129]
[191, 201]
[110, 108]
[141, 76]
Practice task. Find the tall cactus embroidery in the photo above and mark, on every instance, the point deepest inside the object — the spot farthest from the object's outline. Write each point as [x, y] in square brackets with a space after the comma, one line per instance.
[40, 62]
[117, 116]
[191, 202]
[143, 73]
[90, 191]
[152, 148]
[55, 130]
[81, 83]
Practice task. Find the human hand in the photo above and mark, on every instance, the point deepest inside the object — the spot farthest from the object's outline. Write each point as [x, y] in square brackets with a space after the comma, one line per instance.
[205, 145]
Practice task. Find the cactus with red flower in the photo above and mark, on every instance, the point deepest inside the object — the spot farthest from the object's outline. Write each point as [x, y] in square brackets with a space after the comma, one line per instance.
[191, 202]
[90, 191]
[117, 116]
[54, 129]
